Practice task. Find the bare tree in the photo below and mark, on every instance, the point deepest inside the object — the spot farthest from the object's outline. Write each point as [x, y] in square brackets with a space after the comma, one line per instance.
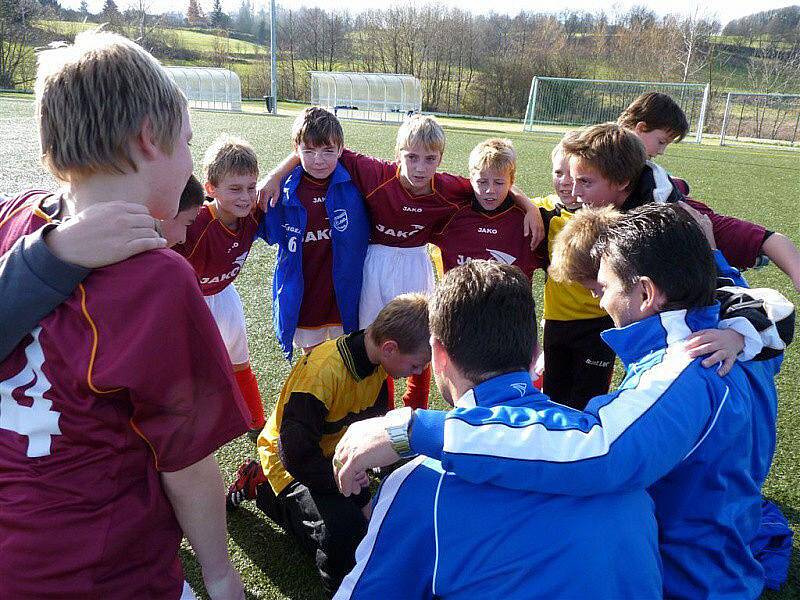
[16, 53]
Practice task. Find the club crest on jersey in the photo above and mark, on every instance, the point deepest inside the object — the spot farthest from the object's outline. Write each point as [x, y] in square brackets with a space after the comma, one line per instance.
[340, 219]
[396, 232]
[502, 257]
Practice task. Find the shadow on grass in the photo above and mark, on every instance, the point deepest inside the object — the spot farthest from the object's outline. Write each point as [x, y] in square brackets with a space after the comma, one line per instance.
[275, 553]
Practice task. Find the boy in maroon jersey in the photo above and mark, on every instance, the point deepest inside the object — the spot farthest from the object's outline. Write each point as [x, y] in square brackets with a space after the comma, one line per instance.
[321, 228]
[113, 406]
[407, 201]
[658, 121]
[217, 244]
[491, 227]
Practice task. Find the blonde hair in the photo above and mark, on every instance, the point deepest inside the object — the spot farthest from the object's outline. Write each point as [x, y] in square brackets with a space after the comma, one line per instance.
[317, 127]
[229, 155]
[573, 259]
[91, 100]
[497, 154]
[420, 129]
[613, 151]
[404, 320]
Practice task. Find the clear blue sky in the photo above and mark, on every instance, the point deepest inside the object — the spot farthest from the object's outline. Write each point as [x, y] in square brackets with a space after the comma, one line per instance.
[724, 10]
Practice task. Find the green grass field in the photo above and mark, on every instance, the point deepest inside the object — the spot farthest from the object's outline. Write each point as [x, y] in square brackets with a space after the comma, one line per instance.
[761, 185]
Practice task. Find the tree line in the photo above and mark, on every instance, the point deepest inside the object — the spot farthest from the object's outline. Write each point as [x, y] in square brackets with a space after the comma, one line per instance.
[468, 64]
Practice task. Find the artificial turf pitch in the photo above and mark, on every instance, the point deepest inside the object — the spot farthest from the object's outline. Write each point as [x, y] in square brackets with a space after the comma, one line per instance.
[758, 184]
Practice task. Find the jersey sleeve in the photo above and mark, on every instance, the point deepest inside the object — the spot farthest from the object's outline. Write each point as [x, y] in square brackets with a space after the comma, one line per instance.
[366, 172]
[158, 343]
[740, 241]
[298, 442]
[455, 188]
[623, 441]
[400, 537]
[33, 282]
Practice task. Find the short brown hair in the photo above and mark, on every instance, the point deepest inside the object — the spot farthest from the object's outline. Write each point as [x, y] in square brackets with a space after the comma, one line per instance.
[420, 129]
[656, 111]
[615, 152]
[91, 100]
[229, 155]
[483, 315]
[316, 126]
[573, 259]
[496, 153]
[192, 195]
[662, 242]
[405, 321]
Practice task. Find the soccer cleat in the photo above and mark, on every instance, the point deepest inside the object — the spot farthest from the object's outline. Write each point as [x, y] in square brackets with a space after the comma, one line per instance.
[249, 476]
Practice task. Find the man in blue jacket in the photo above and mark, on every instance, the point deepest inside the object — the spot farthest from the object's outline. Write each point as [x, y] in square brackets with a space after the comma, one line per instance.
[690, 437]
[435, 535]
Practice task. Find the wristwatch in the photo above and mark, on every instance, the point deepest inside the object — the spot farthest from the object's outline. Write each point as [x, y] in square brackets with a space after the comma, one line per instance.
[398, 426]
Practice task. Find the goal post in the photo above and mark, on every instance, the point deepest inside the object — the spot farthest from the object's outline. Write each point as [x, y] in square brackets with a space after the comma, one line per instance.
[557, 103]
[767, 118]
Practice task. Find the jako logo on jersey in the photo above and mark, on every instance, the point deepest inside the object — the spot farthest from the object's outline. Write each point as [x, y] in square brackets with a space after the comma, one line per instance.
[319, 234]
[239, 261]
[340, 219]
[487, 230]
[520, 387]
[318, 200]
[412, 209]
[398, 233]
[502, 257]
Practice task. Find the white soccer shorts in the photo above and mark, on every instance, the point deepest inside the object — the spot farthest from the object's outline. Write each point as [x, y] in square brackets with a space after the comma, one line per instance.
[226, 306]
[389, 272]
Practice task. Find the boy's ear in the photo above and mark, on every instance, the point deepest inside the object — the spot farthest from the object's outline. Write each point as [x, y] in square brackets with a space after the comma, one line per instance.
[146, 141]
[641, 127]
[388, 348]
[341, 149]
[209, 189]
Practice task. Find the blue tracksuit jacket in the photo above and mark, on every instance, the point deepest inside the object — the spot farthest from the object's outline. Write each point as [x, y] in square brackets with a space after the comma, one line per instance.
[693, 439]
[285, 225]
[433, 534]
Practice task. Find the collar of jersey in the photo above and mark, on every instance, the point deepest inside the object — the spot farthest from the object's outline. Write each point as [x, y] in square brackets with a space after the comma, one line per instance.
[513, 388]
[507, 203]
[354, 355]
[634, 341]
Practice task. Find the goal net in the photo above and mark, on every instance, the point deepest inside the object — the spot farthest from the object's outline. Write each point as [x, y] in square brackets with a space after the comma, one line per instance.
[771, 118]
[556, 103]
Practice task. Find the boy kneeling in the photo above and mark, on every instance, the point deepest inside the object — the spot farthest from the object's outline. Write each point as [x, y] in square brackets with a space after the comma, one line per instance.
[339, 382]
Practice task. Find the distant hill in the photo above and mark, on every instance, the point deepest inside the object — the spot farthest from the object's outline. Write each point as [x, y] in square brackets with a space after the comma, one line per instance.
[784, 22]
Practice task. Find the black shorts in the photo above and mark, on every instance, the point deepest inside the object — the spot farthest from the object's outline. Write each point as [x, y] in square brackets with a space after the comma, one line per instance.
[578, 364]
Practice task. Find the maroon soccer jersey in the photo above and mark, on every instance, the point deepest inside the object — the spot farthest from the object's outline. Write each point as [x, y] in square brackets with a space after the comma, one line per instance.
[396, 217]
[217, 253]
[498, 235]
[127, 378]
[319, 301]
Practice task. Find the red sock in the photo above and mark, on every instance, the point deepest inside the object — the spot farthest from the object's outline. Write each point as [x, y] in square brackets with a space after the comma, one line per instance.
[417, 389]
[248, 385]
[390, 389]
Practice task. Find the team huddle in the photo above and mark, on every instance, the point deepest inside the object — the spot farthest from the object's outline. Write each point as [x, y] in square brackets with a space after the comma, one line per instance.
[124, 360]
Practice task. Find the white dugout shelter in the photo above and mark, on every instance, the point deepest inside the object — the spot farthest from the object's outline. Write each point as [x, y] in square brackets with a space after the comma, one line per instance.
[373, 96]
[217, 89]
